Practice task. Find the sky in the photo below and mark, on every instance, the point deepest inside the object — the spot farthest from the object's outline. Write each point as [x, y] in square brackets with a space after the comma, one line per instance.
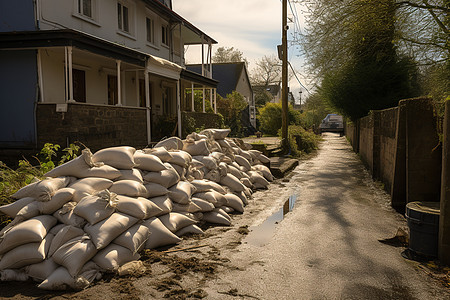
[251, 26]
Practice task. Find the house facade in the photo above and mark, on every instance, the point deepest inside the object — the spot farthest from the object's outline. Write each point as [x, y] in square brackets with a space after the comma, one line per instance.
[100, 72]
[231, 77]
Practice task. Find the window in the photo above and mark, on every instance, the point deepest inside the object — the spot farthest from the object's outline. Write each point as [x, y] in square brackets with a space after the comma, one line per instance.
[150, 33]
[164, 35]
[112, 90]
[85, 8]
[79, 85]
[122, 17]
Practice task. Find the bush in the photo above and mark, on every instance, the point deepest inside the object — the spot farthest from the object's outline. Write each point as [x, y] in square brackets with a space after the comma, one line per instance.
[301, 140]
[270, 118]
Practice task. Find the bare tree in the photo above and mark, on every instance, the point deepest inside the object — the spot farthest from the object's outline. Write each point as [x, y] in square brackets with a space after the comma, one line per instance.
[267, 71]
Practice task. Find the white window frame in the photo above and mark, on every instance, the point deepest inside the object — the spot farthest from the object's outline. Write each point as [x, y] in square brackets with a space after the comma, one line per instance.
[79, 13]
[130, 16]
[152, 32]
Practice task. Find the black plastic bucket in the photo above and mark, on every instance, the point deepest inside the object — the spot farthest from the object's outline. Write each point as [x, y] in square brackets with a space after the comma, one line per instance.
[423, 223]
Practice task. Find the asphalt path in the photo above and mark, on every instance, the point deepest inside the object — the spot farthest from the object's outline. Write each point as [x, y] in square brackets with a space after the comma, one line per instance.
[328, 246]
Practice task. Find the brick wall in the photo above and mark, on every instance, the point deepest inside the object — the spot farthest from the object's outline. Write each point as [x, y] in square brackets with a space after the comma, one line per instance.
[96, 126]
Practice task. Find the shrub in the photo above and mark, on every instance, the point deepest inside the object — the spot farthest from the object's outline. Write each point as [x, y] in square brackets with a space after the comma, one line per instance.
[271, 120]
[301, 141]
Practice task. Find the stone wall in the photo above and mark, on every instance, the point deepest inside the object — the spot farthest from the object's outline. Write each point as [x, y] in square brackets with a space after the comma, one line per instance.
[96, 126]
[366, 141]
[386, 129]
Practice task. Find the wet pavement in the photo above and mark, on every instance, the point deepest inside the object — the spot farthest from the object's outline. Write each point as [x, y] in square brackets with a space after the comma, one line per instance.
[321, 239]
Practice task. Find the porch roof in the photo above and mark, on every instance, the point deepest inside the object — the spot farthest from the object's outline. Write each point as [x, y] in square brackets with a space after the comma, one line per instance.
[70, 37]
[197, 78]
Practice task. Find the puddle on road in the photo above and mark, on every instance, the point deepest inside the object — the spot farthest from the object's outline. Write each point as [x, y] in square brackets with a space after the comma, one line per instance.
[261, 234]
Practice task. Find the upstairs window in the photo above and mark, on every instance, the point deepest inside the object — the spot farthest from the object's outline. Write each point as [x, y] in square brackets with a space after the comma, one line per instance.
[85, 8]
[150, 32]
[165, 35]
[122, 17]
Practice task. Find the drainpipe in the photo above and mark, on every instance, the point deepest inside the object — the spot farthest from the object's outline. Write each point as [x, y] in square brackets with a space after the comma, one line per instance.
[192, 97]
[136, 76]
[215, 101]
[41, 84]
[211, 98]
[179, 108]
[204, 106]
[69, 54]
[147, 106]
[119, 83]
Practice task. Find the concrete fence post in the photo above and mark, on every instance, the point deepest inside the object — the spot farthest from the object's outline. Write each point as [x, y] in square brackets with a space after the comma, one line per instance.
[444, 219]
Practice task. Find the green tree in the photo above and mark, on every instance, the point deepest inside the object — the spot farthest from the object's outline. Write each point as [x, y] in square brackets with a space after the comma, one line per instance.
[270, 118]
[315, 109]
[231, 108]
[228, 54]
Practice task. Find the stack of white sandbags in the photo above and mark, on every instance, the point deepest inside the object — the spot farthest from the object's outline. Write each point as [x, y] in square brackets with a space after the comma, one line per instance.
[96, 213]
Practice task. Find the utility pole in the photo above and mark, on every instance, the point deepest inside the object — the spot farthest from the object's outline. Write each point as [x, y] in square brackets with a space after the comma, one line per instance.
[284, 79]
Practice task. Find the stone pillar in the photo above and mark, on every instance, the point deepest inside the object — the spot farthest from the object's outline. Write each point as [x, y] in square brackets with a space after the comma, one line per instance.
[444, 218]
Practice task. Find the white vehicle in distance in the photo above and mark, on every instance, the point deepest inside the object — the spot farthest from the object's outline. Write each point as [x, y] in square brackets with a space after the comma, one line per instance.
[332, 123]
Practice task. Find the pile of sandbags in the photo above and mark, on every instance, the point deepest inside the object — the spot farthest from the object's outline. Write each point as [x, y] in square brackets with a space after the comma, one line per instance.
[94, 214]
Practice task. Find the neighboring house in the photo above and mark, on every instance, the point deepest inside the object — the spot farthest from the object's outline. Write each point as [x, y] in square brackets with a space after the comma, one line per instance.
[232, 76]
[274, 91]
[102, 72]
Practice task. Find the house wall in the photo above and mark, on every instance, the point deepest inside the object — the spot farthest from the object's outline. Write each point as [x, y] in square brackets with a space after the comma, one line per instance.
[57, 14]
[17, 15]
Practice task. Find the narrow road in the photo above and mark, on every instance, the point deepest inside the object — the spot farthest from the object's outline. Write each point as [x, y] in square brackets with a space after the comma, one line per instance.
[327, 247]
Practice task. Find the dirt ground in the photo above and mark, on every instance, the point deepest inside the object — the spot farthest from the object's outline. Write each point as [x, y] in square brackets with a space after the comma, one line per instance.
[220, 264]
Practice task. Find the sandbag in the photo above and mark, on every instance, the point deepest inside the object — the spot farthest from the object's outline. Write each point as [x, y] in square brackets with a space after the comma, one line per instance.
[213, 175]
[61, 280]
[140, 208]
[175, 221]
[246, 182]
[26, 254]
[203, 204]
[13, 275]
[172, 143]
[227, 209]
[215, 217]
[190, 207]
[155, 190]
[64, 235]
[247, 156]
[243, 162]
[89, 186]
[206, 185]
[148, 162]
[133, 174]
[13, 208]
[207, 161]
[132, 268]
[263, 170]
[29, 211]
[29, 231]
[159, 234]
[75, 253]
[196, 163]
[129, 188]
[164, 203]
[42, 190]
[180, 170]
[180, 158]
[66, 216]
[42, 270]
[166, 178]
[82, 167]
[190, 229]
[133, 238]
[217, 134]
[260, 156]
[258, 180]
[242, 196]
[199, 147]
[213, 197]
[232, 182]
[234, 202]
[107, 230]
[58, 200]
[181, 192]
[117, 157]
[114, 256]
[95, 209]
[160, 152]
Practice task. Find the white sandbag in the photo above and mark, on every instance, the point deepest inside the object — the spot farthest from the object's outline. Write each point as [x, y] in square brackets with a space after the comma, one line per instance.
[159, 234]
[190, 207]
[161, 152]
[222, 212]
[89, 186]
[199, 147]
[213, 175]
[242, 196]
[42, 190]
[218, 134]
[42, 270]
[133, 174]
[215, 217]
[181, 192]
[263, 170]
[194, 173]
[148, 162]
[172, 143]
[258, 180]
[175, 221]
[82, 167]
[196, 137]
[107, 230]
[95, 209]
[155, 190]
[55, 229]
[207, 161]
[218, 156]
[132, 268]
[222, 169]
[191, 229]
[164, 203]
[261, 157]
[133, 238]
[232, 182]
[13, 275]
[26, 254]
[118, 157]
[203, 204]
[224, 144]
[29, 211]
[64, 235]
[247, 156]
[13, 208]
[234, 202]
[243, 162]
[180, 158]
[129, 188]
[66, 216]
[196, 163]
[180, 170]
[166, 178]
[246, 182]
[140, 208]
[75, 253]
[213, 197]
[113, 257]
[29, 231]
[58, 200]
[61, 280]
[227, 209]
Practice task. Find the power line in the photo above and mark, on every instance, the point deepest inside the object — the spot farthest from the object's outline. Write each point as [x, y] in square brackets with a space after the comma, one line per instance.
[295, 74]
